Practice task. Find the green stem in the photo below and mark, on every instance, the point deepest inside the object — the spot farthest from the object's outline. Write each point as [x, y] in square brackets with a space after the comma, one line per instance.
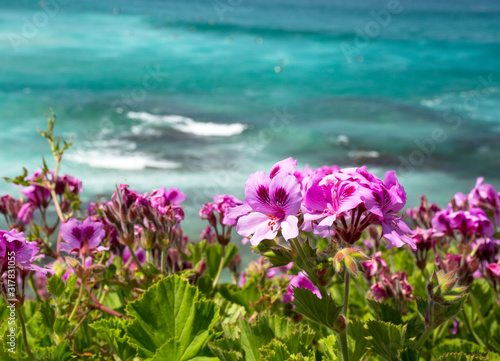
[33, 286]
[440, 330]
[136, 260]
[56, 204]
[346, 294]
[295, 244]
[480, 315]
[25, 338]
[221, 266]
[343, 335]
[343, 345]
[162, 259]
[471, 330]
[148, 256]
[82, 287]
[423, 338]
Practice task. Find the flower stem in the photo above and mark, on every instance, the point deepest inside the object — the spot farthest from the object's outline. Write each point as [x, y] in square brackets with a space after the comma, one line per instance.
[471, 329]
[221, 266]
[346, 294]
[423, 338]
[25, 338]
[480, 315]
[343, 345]
[343, 335]
[136, 260]
[82, 287]
[56, 204]
[162, 259]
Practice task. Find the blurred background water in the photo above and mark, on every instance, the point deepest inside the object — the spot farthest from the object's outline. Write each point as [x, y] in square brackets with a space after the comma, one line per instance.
[199, 94]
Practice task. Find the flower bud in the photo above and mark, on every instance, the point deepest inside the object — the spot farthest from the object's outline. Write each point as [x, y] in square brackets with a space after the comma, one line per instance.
[202, 267]
[350, 257]
[443, 288]
[72, 262]
[340, 324]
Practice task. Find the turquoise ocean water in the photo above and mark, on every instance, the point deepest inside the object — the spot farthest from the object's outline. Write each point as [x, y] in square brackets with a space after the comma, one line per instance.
[199, 94]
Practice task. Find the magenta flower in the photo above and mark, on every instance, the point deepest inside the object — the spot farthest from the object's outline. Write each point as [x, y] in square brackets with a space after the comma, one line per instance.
[278, 271]
[376, 265]
[162, 198]
[222, 204]
[284, 166]
[299, 281]
[494, 270]
[386, 201]
[393, 286]
[274, 202]
[71, 183]
[82, 238]
[38, 196]
[329, 198]
[485, 196]
[13, 246]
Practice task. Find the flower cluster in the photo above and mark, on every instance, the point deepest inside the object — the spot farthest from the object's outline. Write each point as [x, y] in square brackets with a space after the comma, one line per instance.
[331, 202]
[216, 213]
[467, 224]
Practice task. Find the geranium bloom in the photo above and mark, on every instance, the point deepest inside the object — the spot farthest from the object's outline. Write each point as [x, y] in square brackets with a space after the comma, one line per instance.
[375, 266]
[329, 198]
[274, 203]
[162, 198]
[494, 270]
[299, 281]
[387, 200]
[485, 195]
[13, 244]
[82, 238]
[393, 286]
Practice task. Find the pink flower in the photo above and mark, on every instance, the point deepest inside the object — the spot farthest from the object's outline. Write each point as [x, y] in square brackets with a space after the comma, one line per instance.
[82, 238]
[274, 203]
[299, 281]
[14, 247]
[494, 270]
[162, 198]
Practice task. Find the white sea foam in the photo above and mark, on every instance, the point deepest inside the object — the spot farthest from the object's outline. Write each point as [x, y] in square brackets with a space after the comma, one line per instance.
[363, 154]
[113, 160]
[186, 125]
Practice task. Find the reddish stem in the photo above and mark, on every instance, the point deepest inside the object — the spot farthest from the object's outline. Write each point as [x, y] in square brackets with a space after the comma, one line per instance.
[97, 305]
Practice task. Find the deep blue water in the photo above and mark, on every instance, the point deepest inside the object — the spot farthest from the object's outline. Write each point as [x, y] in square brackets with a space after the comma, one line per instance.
[185, 93]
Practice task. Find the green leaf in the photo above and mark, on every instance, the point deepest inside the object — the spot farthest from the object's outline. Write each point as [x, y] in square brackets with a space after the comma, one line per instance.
[226, 349]
[229, 312]
[386, 313]
[455, 345]
[61, 325]
[61, 352]
[330, 347]
[275, 351]
[70, 285]
[113, 331]
[56, 286]
[483, 294]
[253, 337]
[386, 339]
[172, 311]
[460, 357]
[214, 255]
[242, 296]
[408, 354]
[323, 311]
[48, 315]
[356, 340]
[173, 350]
